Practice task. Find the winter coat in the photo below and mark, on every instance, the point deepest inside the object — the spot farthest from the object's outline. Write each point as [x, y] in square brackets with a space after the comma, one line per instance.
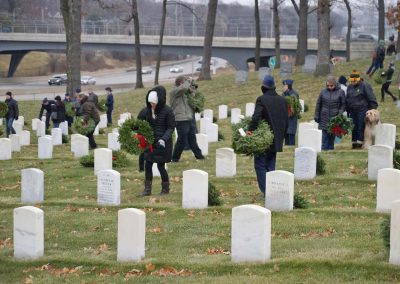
[110, 102]
[179, 102]
[330, 103]
[273, 109]
[292, 126]
[163, 126]
[388, 74]
[89, 110]
[46, 107]
[360, 98]
[94, 99]
[13, 111]
[58, 112]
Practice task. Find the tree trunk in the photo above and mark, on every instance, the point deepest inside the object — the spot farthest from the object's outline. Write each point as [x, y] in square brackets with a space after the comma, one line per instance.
[71, 12]
[398, 41]
[323, 67]
[277, 34]
[348, 34]
[138, 55]
[208, 39]
[258, 35]
[302, 35]
[381, 23]
[160, 43]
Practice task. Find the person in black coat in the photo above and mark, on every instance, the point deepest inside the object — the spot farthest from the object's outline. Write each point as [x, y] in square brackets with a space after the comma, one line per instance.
[388, 74]
[58, 112]
[330, 103]
[142, 116]
[292, 126]
[109, 105]
[273, 109]
[12, 113]
[46, 106]
[161, 118]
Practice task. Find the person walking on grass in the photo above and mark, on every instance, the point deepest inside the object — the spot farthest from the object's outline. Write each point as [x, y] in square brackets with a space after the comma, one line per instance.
[109, 105]
[12, 113]
[388, 74]
[89, 110]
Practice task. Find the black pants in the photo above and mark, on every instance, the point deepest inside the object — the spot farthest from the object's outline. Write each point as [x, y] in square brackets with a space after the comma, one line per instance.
[92, 143]
[109, 116]
[186, 134]
[149, 171]
[385, 89]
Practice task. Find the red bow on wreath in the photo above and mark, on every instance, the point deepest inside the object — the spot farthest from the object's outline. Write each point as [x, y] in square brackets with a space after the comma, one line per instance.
[338, 131]
[143, 143]
[290, 111]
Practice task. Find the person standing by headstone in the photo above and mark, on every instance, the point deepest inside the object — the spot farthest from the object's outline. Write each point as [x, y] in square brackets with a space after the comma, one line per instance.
[388, 74]
[330, 103]
[273, 109]
[89, 110]
[58, 112]
[12, 113]
[162, 120]
[109, 105]
[290, 137]
[360, 98]
[183, 117]
[46, 106]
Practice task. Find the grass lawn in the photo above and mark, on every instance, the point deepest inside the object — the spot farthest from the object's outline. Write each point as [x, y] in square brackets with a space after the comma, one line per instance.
[337, 239]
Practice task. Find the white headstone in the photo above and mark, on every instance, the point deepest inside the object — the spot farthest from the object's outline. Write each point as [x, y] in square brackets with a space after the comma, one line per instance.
[108, 187]
[262, 72]
[18, 126]
[203, 124]
[195, 189]
[250, 109]
[32, 186]
[305, 163]
[286, 69]
[102, 159]
[379, 157]
[45, 148]
[56, 135]
[28, 233]
[124, 116]
[156, 172]
[35, 123]
[131, 234]
[251, 234]
[79, 145]
[311, 138]
[202, 142]
[388, 189]
[113, 143]
[21, 119]
[41, 129]
[1, 121]
[241, 76]
[197, 116]
[115, 130]
[121, 121]
[310, 64]
[25, 138]
[222, 111]
[208, 113]
[305, 126]
[235, 115]
[225, 162]
[5, 149]
[385, 134]
[15, 142]
[43, 118]
[279, 192]
[302, 104]
[64, 127]
[103, 121]
[394, 257]
[212, 132]
[96, 130]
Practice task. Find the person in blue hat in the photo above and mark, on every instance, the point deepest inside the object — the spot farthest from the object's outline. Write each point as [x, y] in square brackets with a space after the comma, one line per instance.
[292, 127]
[273, 109]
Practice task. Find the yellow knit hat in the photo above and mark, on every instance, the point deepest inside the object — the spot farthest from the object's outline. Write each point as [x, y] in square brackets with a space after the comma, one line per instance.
[355, 76]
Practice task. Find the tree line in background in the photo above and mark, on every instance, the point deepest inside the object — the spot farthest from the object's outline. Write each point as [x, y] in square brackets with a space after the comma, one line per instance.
[73, 11]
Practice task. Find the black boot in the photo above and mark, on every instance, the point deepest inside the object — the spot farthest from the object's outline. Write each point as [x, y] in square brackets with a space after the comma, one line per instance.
[147, 188]
[164, 187]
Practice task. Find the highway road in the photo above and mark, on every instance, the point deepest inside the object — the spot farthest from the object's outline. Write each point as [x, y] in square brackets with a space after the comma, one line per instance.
[36, 88]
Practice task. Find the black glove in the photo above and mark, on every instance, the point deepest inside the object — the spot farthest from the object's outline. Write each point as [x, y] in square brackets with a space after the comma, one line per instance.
[16, 118]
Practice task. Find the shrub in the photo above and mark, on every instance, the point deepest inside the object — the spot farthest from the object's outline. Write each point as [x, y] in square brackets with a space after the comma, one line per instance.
[397, 145]
[320, 165]
[299, 202]
[396, 160]
[87, 161]
[119, 160]
[385, 232]
[213, 195]
[65, 139]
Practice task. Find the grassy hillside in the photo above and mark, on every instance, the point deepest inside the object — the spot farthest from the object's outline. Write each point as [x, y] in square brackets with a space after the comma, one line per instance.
[337, 239]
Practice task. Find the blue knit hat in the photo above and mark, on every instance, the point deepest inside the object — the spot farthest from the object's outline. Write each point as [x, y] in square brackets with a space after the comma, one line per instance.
[288, 82]
[268, 81]
[342, 80]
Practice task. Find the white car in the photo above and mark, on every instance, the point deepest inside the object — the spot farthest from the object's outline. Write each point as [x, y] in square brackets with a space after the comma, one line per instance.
[147, 70]
[88, 80]
[176, 69]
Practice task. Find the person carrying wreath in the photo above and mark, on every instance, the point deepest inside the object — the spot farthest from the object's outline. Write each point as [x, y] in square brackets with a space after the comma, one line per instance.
[273, 109]
[89, 110]
[292, 127]
[162, 120]
[330, 103]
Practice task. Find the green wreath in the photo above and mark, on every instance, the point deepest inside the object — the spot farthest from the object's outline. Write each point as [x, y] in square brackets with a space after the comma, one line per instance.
[102, 105]
[294, 106]
[256, 143]
[3, 109]
[196, 101]
[340, 125]
[83, 127]
[70, 109]
[135, 136]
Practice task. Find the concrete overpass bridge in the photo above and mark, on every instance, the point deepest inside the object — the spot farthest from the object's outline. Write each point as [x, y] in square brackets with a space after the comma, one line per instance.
[237, 51]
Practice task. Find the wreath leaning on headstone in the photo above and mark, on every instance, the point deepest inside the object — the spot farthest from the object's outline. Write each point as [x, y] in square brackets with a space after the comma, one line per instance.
[3, 109]
[81, 126]
[136, 136]
[256, 143]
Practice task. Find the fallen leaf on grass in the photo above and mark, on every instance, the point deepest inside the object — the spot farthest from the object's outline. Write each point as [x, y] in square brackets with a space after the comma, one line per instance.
[161, 213]
[353, 170]
[148, 209]
[156, 230]
[90, 271]
[223, 193]
[28, 280]
[150, 267]
[107, 272]
[191, 214]
[170, 271]
[218, 251]
[133, 273]
[328, 232]
[102, 248]
[153, 200]
[71, 208]
[101, 210]
[7, 243]
[10, 187]
[176, 179]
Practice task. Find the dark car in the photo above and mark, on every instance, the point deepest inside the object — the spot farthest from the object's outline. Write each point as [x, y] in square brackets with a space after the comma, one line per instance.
[60, 79]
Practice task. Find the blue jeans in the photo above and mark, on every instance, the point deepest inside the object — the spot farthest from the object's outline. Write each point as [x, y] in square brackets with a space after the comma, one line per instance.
[290, 139]
[264, 163]
[328, 140]
[56, 124]
[109, 116]
[9, 128]
[186, 134]
[359, 125]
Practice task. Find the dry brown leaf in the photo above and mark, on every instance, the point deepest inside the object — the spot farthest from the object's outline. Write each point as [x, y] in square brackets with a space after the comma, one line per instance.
[223, 193]
[148, 209]
[353, 169]
[156, 230]
[276, 268]
[133, 273]
[28, 280]
[16, 186]
[7, 243]
[161, 213]
[314, 234]
[102, 248]
[191, 213]
[170, 271]
[153, 200]
[217, 251]
[150, 267]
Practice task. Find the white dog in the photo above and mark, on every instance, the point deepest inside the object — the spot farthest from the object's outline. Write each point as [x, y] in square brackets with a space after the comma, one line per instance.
[371, 121]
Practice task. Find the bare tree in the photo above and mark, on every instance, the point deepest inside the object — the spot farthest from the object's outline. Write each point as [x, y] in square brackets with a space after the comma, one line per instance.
[323, 67]
[381, 19]
[393, 17]
[258, 35]
[71, 12]
[138, 55]
[302, 35]
[208, 39]
[160, 42]
[349, 26]
[277, 33]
